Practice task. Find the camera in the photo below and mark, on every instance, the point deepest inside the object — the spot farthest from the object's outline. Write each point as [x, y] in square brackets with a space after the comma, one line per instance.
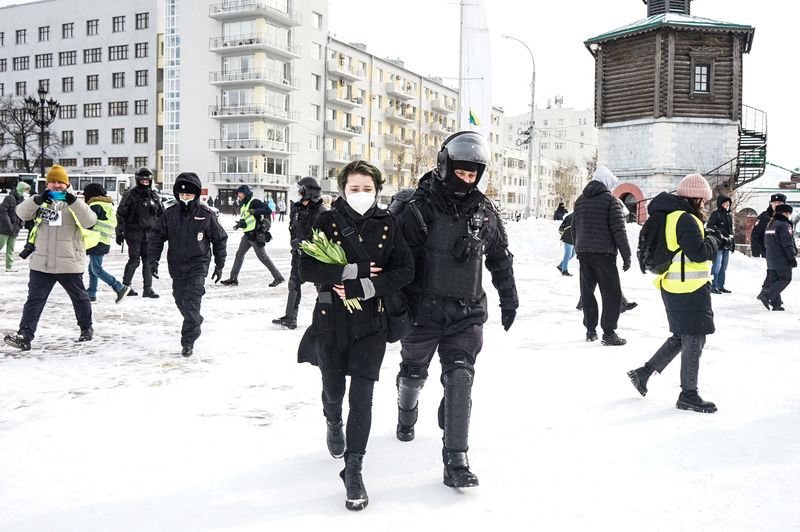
[27, 250]
[472, 243]
[241, 224]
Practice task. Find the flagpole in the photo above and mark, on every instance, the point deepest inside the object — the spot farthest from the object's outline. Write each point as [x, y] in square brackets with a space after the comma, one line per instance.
[460, 64]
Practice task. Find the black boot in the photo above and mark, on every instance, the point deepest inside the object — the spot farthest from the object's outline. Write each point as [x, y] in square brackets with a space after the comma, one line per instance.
[456, 470]
[591, 336]
[276, 282]
[639, 377]
[233, 281]
[18, 341]
[148, 292]
[357, 498]
[692, 401]
[408, 389]
[86, 334]
[287, 323]
[187, 351]
[455, 414]
[612, 339]
[132, 292]
[335, 438]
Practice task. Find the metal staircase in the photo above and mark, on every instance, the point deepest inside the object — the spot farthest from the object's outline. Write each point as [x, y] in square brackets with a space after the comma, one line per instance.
[751, 159]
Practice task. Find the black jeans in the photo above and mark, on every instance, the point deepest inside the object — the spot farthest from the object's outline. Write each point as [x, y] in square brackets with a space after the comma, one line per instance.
[261, 253]
[40, 285]
[599, 269]
[137, 250]
[188, 294]
[690, 347]
[359, 418]
[775, 283]
[295, 284]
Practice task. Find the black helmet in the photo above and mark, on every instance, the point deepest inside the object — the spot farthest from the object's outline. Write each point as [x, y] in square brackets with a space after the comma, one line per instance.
[308, 188]
[464, 146]
[144, 173]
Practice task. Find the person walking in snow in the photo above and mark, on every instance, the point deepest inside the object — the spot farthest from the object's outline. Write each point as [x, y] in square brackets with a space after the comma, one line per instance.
[565, 230]
[342, 342]
[561, 211]
[598, 230]
[757, 248]
[57, 255]
[781, 253]
[192, 230]
[721, 221]
[685, 289]
[10, 223]
[100, 203]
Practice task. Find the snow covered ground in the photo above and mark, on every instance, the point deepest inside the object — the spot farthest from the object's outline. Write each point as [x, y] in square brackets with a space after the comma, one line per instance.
[122, 434]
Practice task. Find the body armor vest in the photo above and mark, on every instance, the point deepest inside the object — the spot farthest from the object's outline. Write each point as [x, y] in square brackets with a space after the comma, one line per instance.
[451, 269]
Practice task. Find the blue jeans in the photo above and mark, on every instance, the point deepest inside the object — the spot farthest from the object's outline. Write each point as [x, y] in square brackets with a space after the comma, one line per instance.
[719, 267]
[96, 272]
[569, 252]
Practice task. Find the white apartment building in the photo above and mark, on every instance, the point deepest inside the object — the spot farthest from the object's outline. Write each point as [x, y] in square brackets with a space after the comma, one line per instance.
[101, 62]
[512, 185]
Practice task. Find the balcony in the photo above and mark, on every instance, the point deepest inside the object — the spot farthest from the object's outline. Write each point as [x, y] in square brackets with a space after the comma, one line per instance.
[439, 129]
[396, 115]
[349, 73]
[400, 91]
[340, 156]
[254, 8]
[273, 78]
[252, 145]
[253, 111]
[254, 42]
[391, 140]
[249, 178]
[334, 128]
[438, 104]
[392, 165]
[343, 100]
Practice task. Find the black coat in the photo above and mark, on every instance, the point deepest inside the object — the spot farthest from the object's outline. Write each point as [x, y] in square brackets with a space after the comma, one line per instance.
[340, 342]
[757, 248]
[687, 313]
[781, 251]
[561, 211]
[598, 223]
[721, 219]
[192, 231]
[566, 229]
[137, 212]
[10, 224]
[301, 221]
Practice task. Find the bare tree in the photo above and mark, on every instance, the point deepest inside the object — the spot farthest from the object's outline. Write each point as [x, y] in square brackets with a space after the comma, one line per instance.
[21, 137]
[591, 164]
[566, 182]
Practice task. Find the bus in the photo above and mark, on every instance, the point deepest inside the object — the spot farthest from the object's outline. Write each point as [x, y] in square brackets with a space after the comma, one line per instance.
[115, 184]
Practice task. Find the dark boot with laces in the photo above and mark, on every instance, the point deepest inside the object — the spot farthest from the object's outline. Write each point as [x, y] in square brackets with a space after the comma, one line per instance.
[456, 470]
[18, 341]
[612, 339]
[639, 378]
[86, 334]
[692, 401]
[335, 438]
[357, 498]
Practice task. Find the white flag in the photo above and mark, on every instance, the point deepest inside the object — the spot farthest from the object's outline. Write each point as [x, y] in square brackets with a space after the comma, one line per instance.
[476, 69]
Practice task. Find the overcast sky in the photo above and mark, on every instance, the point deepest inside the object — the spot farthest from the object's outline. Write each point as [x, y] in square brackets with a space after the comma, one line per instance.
[424, 34]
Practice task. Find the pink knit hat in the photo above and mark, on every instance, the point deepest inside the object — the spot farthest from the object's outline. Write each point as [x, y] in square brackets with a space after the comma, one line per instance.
[694, 186]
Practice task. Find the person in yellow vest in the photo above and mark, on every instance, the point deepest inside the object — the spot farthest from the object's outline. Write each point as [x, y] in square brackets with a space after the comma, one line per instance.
[255, 221]
[96, 197]
[685, 289]
[57, 255]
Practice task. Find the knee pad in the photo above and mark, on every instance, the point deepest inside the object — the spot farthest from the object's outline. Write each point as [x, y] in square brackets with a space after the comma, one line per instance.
[412, 371]
[461, 376]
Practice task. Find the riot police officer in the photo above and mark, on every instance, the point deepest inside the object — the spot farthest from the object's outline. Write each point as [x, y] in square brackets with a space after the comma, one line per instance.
[452, 229]
[304, 212]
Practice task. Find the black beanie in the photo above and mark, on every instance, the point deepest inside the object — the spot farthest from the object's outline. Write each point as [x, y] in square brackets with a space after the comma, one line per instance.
[93, 190]
[783, 208]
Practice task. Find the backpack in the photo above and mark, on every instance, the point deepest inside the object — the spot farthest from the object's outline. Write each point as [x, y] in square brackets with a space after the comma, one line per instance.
[653, 255]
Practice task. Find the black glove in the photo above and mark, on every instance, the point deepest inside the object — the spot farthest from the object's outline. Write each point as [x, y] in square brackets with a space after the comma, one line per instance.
[507, 316]
[240, 224]
[793, 262]
[70, 198]
[353, 288]
[38, 199]
[626, 264]
[120, 239]
[363, 269]
[154, 269]
[217, 275]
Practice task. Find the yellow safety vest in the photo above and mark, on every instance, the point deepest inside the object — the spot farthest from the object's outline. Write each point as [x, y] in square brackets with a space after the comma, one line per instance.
[105, 228]
[248, 218]
[90, 238]
[683, 276]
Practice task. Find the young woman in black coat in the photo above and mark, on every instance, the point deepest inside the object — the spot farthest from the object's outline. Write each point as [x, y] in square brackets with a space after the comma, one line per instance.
[341, 342]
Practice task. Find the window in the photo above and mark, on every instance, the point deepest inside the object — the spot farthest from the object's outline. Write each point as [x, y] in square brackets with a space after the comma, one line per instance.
[314, 142]
[118, 80]
[2, 93]
[141, 78]
[140, 107]
[138, 162]
[21, 88]
[92, 136]
[92, 82]
[2, 38]
[67, 111]
[22, 36]
[140, 135]
[67, 30]
[92, 55]
[313, 170]
[44, 84]
[68, 163]
[702, 78]
[142, 21]
[21, 63]
[316, 81]
[141, 50]
[44, 60]
[117, 108]
[118, 24]
[316, 50]
[316, 20]
[3, 65]
[118, 136]
[116, 53]
[92, 26]
[92, 161]
[120, 162]
[92, 110]
[315, 111]
[44, 33]
[67, 138]
[276, 166]
[67, 84]
[67, 58]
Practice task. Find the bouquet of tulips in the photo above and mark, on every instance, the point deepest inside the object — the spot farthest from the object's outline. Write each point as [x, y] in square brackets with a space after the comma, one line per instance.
[324, 250]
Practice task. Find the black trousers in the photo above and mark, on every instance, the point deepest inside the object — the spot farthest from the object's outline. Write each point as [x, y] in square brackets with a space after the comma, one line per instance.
[359, 418]
[775, 283]
[295, 285]
[40, 285]
[137, 251]
[599, 269]
[188, 294]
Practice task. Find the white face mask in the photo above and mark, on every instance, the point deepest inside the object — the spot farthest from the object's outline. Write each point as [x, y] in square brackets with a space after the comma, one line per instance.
[361, 201]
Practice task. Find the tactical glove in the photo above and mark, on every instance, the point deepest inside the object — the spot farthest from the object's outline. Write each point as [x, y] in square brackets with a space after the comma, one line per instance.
[120, 239]
[507, 316]
[217, 275]
[154, 269]
[793, 262]
[626, 264]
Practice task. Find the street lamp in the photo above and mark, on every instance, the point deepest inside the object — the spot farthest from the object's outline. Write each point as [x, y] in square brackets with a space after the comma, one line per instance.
[43, 113]
[529, 133]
